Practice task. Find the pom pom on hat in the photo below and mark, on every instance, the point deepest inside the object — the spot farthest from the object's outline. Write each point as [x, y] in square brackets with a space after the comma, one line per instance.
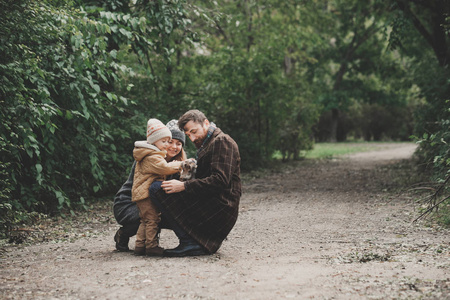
[176, 132]
[156, 130]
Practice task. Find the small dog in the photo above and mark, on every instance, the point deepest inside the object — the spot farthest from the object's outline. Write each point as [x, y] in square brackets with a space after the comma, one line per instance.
[187, 169]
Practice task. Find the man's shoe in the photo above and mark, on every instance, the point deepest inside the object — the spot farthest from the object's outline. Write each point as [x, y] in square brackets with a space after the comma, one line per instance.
[121, 241]
[183, 250]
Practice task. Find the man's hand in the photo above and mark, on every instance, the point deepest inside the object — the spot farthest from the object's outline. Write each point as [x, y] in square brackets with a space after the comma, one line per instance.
[172, 186]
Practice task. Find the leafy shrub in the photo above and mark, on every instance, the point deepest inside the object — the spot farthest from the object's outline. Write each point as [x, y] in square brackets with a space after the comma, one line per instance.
[55, 109]
[67, 129]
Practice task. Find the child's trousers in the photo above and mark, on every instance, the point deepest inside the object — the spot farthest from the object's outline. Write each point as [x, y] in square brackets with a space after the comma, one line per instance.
[147, 234]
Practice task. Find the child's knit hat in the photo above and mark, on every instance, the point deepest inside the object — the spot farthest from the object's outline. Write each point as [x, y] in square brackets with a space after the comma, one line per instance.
[156, 130]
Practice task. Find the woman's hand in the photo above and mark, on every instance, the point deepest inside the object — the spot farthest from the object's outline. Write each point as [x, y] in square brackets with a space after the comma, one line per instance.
[172, 186]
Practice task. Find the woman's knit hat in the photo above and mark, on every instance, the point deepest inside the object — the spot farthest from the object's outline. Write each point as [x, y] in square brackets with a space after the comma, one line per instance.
[176, 132]
[156, 131]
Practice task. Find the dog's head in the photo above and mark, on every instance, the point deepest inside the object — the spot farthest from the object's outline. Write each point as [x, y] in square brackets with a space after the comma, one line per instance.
[187, 169]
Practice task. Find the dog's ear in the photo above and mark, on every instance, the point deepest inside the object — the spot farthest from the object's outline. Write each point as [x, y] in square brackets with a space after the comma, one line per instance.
[184, 165]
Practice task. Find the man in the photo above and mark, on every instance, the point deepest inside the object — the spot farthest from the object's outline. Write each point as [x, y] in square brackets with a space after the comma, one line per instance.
[202, 211]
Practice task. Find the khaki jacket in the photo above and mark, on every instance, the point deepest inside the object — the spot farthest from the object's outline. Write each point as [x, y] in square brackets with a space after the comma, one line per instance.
[150, 166]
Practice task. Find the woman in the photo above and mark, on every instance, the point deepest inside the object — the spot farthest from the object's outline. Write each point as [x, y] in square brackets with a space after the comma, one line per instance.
[126, 211]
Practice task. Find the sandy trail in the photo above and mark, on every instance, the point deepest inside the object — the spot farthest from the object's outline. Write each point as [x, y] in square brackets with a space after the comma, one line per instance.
[325, 230]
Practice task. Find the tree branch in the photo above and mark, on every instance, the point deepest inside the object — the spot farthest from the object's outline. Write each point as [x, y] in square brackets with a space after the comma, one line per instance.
[431, 208]
[434, 196]
[416, 22]
[353, 46]
[153, 73]
[221, 31]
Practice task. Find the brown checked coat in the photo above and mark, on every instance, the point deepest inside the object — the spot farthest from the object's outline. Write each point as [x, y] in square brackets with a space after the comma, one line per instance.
[208, 209]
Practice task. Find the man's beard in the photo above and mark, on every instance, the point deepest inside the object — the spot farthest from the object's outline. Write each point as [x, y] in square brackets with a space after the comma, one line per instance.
[198, 143]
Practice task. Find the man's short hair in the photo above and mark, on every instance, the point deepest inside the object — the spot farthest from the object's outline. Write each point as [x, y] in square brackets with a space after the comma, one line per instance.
[192, 115]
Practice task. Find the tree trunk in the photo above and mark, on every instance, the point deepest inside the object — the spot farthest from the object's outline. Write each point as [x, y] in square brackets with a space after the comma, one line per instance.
[249, 26]
[356, 42]
[434, 33]
[334, 124]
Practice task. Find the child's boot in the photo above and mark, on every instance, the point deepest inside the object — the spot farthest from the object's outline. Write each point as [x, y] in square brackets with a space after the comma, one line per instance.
[152, 247]
[139, 251]
[155, 251]
[139, 248]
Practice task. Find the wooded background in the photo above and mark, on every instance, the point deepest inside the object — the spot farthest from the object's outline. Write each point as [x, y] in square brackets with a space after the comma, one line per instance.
[80, 78]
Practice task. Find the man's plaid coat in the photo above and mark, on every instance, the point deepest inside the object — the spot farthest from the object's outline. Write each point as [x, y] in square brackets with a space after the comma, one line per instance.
[208, 209]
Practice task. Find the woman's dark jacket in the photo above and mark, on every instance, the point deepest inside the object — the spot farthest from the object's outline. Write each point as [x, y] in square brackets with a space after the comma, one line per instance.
[125, 211]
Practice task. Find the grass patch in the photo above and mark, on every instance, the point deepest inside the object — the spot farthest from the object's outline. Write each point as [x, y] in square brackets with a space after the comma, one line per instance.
[320, 151]
[330, 150]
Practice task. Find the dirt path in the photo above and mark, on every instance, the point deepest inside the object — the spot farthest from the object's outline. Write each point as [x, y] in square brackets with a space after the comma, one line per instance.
[324, 230]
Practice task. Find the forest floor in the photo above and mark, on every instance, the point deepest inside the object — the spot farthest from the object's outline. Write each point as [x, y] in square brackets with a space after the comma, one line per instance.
[319, 229]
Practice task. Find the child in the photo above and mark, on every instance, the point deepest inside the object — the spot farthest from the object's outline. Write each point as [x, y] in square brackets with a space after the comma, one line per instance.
[150, 166]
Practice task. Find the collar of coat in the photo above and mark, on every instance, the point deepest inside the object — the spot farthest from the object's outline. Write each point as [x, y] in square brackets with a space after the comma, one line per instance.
[144, 144]
[211, 131]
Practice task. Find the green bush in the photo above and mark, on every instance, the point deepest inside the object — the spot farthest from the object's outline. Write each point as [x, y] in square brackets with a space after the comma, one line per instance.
[67, 127]
[55, 132]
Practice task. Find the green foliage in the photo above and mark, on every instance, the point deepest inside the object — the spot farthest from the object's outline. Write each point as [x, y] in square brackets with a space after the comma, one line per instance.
[55, 112]
[247, 88]
[414, 25]
[66, 134]
[79, 79]
[433, 126]
[435, 141]
[443, 214]
[158, 32]
[238, 81]
[352, 64]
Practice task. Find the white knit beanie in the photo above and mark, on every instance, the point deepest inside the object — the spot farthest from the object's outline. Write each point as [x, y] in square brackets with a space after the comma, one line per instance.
[156, 130]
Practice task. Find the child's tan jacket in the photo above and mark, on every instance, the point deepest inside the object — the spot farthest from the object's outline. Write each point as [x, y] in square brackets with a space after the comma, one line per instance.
[150, 166]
